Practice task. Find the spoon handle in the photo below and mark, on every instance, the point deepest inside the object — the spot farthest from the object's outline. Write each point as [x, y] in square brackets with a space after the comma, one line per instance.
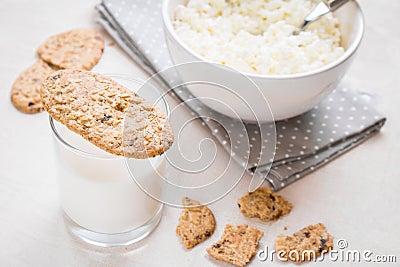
[335, 4]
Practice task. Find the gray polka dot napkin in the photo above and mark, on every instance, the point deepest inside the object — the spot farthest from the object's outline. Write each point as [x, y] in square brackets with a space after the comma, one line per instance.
[340, 122]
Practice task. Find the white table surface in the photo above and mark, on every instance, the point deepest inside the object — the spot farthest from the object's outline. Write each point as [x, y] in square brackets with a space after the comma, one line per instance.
[356, 196]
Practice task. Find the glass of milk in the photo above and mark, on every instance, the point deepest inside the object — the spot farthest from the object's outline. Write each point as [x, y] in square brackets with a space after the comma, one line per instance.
[102, 203]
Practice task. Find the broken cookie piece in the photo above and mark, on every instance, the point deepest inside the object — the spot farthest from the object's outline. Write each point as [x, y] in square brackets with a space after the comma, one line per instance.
[196, 223]
[264, 204]
[237, 245]
[304, 245]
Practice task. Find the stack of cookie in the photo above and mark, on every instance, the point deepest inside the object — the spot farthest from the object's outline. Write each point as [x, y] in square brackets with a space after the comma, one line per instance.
[89, 104]
[76, 49]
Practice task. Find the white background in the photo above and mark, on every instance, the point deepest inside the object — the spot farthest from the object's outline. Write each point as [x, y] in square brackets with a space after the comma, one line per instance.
[356, 196]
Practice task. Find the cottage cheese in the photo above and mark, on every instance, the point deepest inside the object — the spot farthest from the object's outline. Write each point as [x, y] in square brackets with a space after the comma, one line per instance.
[256, 36]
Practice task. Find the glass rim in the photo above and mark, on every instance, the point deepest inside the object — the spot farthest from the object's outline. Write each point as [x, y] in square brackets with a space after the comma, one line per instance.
[59, 137]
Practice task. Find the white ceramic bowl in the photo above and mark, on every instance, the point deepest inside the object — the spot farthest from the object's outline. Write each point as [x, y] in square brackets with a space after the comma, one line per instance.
[287, 95]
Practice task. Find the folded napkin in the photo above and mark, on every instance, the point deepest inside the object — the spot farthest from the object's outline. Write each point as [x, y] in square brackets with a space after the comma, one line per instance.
[343, 120]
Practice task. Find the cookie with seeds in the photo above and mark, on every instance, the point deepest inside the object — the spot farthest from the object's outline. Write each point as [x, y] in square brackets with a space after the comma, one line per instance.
[95, 107]
[304, 245]
[25, 92]
[76, 49]
[196, 223]
[264, 204]
[237, 245]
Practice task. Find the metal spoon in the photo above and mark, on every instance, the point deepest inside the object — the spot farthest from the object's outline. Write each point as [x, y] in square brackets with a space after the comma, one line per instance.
[321, 9]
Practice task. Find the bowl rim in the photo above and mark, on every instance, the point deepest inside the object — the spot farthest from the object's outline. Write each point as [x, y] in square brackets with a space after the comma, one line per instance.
[168, 29]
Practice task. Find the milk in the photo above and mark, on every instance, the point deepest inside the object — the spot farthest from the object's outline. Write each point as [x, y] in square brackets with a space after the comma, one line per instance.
[97, 191]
